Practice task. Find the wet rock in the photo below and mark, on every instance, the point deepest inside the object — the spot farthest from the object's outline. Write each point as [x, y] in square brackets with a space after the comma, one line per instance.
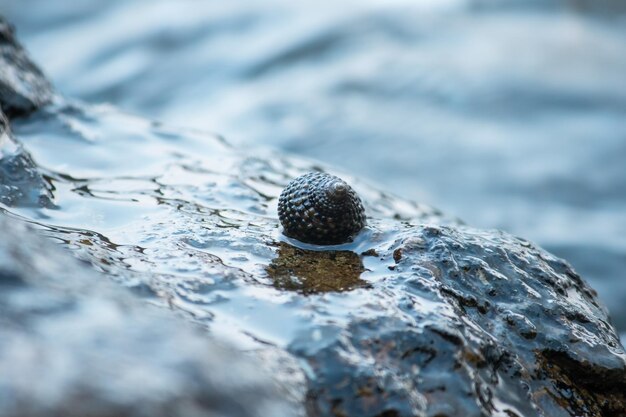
[23, 87]
[482, 323]
[21, 182]
[431, 319]
[310, 271]
[419, 316]
[73, 344]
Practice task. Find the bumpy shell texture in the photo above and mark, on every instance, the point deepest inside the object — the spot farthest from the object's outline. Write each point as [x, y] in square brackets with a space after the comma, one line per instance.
[321, 209]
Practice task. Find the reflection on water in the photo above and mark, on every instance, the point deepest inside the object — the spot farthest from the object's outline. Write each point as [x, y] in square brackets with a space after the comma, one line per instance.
[511, 117]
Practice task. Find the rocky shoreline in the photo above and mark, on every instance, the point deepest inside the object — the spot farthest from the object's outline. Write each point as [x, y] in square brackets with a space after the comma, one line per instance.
[423, 316]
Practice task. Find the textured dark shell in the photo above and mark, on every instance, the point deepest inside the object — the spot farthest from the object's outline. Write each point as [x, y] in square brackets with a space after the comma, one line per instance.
[321, 209]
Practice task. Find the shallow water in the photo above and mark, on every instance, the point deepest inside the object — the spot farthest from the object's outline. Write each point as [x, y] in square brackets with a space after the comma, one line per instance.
[510, 117]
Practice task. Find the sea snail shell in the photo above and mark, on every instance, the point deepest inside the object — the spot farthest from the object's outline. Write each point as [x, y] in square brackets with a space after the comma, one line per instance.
[321, 209]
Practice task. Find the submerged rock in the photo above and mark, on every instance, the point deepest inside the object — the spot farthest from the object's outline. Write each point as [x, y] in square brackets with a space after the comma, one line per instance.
[23, 87]
[72, 344]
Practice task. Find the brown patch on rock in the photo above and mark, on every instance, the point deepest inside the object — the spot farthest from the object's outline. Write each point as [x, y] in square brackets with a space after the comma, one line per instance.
[311, 272]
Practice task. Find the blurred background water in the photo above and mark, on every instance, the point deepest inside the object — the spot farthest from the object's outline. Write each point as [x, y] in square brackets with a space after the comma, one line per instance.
[507, 114]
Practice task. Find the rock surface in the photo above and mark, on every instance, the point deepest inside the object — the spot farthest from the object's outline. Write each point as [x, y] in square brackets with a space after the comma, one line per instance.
[419, 316]
[73, 344]
[423, 317]
[21, 183]
[478, 323]
[23, 87]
